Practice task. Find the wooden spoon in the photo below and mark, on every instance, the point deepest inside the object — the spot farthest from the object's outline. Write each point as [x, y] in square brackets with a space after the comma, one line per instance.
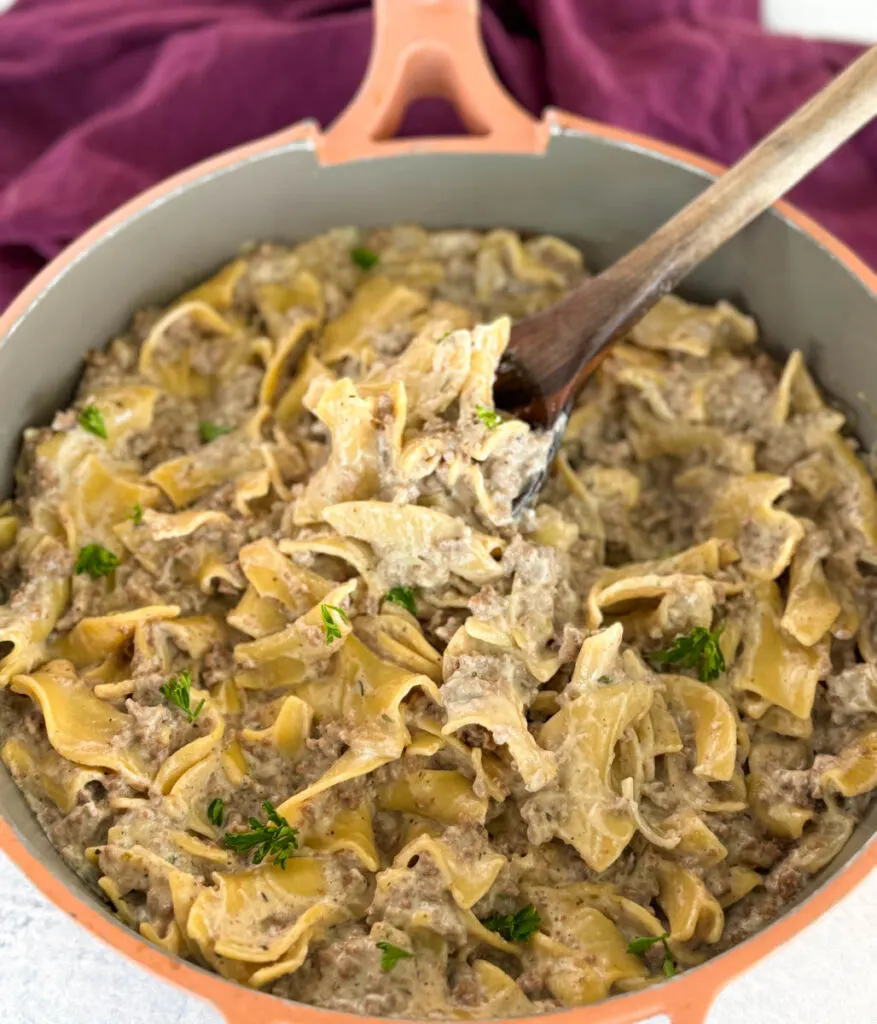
[551, 354]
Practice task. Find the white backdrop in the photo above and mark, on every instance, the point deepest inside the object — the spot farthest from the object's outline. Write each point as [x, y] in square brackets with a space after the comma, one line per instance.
[830, 19]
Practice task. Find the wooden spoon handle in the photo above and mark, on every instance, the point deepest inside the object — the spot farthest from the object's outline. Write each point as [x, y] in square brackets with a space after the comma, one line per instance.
[574, 334]
[765, 174]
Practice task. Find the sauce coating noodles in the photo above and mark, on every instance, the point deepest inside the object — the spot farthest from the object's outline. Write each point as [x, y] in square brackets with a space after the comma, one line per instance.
[282, 677]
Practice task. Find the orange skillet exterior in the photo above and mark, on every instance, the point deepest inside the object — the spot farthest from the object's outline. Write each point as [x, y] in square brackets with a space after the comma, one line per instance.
[686, 999]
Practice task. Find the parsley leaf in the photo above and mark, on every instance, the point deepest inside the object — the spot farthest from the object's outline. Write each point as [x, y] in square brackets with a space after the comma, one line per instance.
[216, 812]
[365, 258]
[96, 560]
[210, 431]
[604, 679]
[92, 420]
[488, 417]
[639, 946]
[699, 649]
[136, 514]
[517, 927]
[331, 627]
[391, 955]
[404, 597]
[274, 838]
[178, 690]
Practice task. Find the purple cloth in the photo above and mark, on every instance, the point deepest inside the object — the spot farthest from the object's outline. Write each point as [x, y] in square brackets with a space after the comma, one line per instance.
[101, 98]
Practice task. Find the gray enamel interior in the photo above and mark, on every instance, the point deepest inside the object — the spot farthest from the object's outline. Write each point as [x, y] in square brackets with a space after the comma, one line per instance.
[601, 195]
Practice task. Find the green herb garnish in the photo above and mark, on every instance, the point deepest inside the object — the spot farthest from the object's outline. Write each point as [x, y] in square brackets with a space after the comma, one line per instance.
[391, 955]
[275, 838]
[96, 560]
[365, 258]
[216, 812]
[136, 514]
[404, 597]
[331, 627]
[604, 679]
[178, 690]
[517, 927]
[92, 420]
[210, 431]
[488, 417]
[699, 649]
[639, 946]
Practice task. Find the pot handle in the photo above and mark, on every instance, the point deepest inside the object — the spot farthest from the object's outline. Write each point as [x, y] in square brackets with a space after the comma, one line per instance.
[429, 49]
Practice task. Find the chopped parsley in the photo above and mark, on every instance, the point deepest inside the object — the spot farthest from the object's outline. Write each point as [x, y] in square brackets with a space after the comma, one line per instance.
[216, 812]
[178, 690]
[330, 625]
[699, 650]
[639, 946]
[92, 420]
[96, 560]
[517, 927]
[604, 679]
[136, 514]
[210, 431]
[490, 418]
[274, 838]
[404, 597]
[365, 258]
[391, 955]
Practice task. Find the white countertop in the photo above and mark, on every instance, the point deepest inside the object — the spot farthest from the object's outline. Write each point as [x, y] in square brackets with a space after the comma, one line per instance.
[53, 972]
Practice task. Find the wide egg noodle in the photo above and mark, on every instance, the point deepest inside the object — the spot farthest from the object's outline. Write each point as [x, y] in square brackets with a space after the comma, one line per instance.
[322, 607]
[81, 728]
[583, 737]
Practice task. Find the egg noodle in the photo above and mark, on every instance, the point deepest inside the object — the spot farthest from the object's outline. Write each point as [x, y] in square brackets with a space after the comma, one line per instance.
[284, 679]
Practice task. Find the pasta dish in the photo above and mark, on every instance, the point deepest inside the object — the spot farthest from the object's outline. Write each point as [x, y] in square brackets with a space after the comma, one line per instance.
[284, 679]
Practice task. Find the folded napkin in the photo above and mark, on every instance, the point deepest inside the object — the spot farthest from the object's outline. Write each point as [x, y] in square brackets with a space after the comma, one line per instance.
[101, 98]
